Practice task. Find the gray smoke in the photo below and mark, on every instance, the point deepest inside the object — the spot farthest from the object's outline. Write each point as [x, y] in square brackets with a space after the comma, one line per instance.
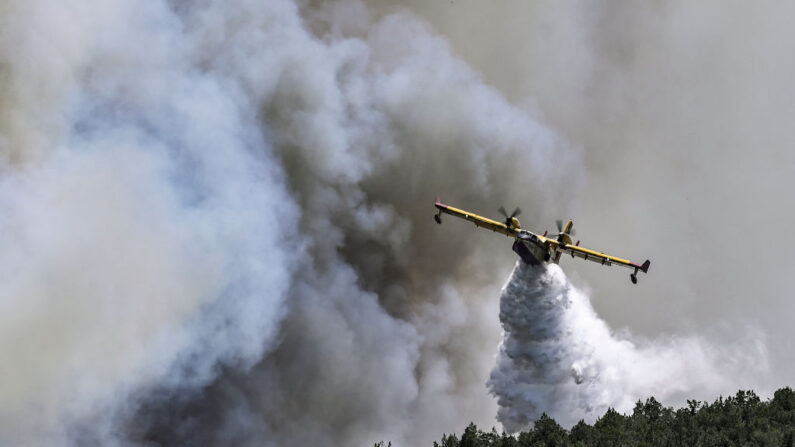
[683, 111]
[559, 357]
[388, 333]
[217, 227]
[134, 200]
[217, 224]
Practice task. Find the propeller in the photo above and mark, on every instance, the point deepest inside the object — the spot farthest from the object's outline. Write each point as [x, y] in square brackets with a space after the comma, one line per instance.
[508, 218]
[559, 224]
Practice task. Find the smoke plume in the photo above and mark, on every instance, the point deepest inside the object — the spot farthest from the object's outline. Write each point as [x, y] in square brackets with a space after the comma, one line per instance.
[217, 224]
[217, 229]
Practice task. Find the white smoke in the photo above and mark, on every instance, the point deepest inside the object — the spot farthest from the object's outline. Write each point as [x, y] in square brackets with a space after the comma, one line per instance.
[559, 357]
[144, 228]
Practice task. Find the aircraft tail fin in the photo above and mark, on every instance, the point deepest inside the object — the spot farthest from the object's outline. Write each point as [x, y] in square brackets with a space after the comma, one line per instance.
[645, 266]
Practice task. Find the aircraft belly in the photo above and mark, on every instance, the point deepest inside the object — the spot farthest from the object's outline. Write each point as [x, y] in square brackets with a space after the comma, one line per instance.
[529, 252]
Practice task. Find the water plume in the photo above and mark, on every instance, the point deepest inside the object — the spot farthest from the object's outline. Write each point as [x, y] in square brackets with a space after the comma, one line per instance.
[557, 356]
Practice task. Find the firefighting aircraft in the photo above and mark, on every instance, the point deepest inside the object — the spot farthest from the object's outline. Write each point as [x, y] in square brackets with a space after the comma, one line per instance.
[537, 248]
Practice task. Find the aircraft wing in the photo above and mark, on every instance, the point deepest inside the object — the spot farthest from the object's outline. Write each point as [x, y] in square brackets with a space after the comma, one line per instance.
[479, 221]
[601, 258]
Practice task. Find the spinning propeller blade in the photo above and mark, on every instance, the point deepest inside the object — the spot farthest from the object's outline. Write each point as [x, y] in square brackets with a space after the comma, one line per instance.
[559, 224]
[508, 218]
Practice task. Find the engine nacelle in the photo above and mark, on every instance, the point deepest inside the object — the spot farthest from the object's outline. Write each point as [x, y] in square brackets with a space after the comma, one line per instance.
[514, 223]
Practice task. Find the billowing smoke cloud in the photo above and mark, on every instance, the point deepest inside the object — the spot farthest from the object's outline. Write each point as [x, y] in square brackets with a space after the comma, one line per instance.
[134, 193]
[388, 335]
[217, 228]
[237, 196]
[559, 357]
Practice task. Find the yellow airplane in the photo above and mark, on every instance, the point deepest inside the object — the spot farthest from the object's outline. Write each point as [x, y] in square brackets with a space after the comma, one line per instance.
[537, 248]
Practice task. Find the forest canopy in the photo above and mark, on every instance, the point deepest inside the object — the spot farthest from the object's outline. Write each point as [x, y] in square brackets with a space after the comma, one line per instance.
[742, 419]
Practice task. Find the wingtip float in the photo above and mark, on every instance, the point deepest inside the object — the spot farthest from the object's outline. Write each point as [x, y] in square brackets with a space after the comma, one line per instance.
[536, 249]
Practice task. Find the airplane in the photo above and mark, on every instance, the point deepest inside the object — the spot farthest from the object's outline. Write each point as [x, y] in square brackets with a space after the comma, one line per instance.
[536, 249]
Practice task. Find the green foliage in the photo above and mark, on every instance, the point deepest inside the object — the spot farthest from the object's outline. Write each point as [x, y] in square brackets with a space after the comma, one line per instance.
[582, 434]
[739, 420]
[611, 429]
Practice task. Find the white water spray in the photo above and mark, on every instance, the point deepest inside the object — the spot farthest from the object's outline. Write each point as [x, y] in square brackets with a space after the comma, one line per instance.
[559, 357]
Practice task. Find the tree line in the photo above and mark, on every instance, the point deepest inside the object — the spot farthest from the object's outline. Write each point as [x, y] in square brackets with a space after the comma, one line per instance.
[739, 420]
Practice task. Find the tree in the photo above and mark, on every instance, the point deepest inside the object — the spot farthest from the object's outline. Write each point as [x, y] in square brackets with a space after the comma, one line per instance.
[448, 441]
[582, 434]
[546, 433]
[470, 436]
[611, 429]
